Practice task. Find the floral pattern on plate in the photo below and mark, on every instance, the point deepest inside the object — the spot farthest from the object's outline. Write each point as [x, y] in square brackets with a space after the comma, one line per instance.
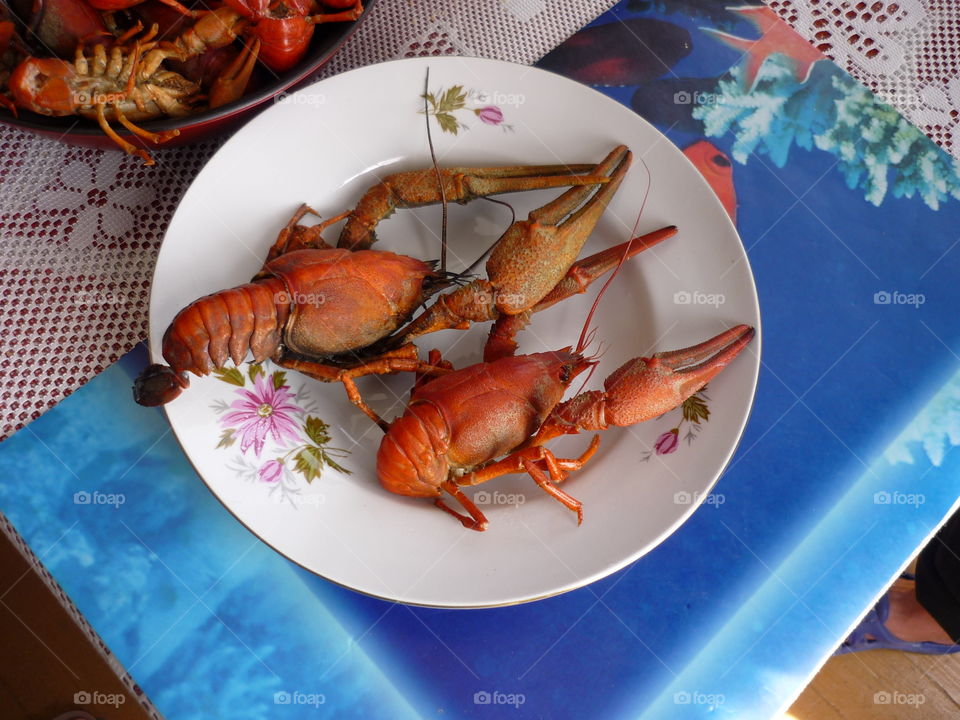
[281, 442]
[444, 103]
[693, 410]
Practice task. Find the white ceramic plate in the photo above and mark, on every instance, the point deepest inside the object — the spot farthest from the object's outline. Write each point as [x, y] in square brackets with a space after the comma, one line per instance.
[324, 145]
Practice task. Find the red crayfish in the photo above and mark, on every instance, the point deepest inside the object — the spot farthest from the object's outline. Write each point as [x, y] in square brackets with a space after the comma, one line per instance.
[285, 27]
[324, 311]
[114, 72]
[127, 81]
[461, 427]
[456, 426]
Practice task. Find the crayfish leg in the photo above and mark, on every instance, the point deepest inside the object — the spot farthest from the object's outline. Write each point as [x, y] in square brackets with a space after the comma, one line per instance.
[128, 148]
[476, 520]
[567, 500]
[402, 359]
[295, 236]
[435, 360]
[526, 459]
[145, 134]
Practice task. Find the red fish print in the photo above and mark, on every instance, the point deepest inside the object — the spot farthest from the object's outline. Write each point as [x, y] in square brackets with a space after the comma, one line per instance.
[626, 52]
[776, 37]
[716, 168]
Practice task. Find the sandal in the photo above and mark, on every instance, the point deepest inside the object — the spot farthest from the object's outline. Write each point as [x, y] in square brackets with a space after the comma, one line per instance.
[872, 634]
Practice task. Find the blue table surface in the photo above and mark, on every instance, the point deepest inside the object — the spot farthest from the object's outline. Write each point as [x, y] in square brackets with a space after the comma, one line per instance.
[845, 469]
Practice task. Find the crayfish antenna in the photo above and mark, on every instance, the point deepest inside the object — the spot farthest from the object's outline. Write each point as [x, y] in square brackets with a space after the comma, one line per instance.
[436, 169]
[586, 334]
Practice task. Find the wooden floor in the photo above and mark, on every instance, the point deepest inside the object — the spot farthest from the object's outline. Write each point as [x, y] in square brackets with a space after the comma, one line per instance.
[882, 685]
[46, 662]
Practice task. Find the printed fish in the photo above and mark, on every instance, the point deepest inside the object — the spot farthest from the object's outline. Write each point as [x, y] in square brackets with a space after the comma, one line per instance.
[717, 170]
[776, 37]
[715, 12]
[627, 52]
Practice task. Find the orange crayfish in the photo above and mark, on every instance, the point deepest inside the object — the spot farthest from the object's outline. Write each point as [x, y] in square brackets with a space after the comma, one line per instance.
[126, 80]
[328, 312]
[456, 426]
[285, 27]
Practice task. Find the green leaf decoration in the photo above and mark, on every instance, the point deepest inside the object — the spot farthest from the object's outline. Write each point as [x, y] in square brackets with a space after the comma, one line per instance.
[309, 462]
[332, 463]
[452, 100]
[695, 409]
[429, 97]
[230, 375]
[317, 430]
[279, 379]
[448, 123]
[254, 370]
[226, 438]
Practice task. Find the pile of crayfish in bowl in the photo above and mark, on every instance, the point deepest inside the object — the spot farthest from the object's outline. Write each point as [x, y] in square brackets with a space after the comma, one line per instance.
[129, 61]
[463, 426]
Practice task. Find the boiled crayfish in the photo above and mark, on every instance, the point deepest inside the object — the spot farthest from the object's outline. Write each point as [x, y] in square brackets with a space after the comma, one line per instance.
[324, 311]
[461, 427]
[127, 81]
[285, 27]
[456, 426]
[114, 75]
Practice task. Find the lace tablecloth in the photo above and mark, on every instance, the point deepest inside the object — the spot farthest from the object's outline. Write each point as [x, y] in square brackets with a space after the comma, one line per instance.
[81, 228]
[906, 51]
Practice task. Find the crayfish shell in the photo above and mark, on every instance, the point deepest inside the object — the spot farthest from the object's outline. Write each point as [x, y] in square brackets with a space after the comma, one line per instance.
[228, 324]
[342, 300]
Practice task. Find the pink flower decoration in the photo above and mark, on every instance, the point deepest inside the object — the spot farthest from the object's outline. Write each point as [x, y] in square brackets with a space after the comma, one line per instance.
[668, 442]
[263, 410]
[491, 115]
[271, 472]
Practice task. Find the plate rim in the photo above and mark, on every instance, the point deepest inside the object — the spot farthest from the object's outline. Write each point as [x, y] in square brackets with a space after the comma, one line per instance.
[579, 582]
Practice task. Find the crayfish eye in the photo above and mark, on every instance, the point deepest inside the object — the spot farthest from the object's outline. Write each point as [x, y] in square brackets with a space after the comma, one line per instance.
[565, 372]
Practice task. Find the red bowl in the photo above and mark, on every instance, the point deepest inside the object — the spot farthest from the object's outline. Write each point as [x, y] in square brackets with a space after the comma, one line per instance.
[75, 130]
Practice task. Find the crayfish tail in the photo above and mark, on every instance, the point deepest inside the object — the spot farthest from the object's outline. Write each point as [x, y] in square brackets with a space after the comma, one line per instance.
[227, 325]
[158, 385]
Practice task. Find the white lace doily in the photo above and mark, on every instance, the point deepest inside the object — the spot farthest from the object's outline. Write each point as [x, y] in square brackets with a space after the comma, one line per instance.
[906, 51]
[81, 228]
